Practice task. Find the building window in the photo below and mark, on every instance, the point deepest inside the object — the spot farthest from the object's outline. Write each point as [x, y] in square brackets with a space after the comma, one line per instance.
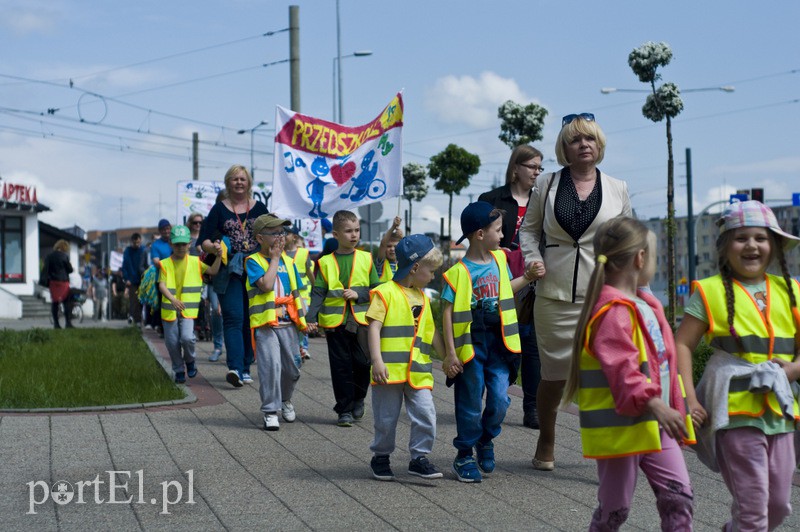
[705, 240]
[11, 249]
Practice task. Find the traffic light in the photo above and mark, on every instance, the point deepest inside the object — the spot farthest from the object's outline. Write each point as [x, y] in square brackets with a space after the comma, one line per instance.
[757, 194]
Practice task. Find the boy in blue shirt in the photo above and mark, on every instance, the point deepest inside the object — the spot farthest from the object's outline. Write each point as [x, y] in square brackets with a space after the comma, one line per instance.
[481, 337]
[277, 312]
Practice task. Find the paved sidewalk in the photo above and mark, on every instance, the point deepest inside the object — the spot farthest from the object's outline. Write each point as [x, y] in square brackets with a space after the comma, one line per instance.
[309, 475]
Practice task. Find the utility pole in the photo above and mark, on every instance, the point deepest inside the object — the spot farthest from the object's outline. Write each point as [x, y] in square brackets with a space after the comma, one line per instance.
[195, 162]
[690, 217]
[294, 57]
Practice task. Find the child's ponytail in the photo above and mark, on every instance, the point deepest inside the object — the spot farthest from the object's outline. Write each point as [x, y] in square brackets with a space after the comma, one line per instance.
[616, 242]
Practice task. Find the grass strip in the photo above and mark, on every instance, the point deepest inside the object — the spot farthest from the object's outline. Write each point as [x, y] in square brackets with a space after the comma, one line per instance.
[67, 368]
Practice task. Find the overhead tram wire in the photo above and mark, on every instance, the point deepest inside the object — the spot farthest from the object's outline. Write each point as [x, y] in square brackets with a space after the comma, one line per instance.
[174, 55]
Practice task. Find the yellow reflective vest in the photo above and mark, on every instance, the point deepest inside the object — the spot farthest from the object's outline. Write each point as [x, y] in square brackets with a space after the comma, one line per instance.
[301, 262]
[262, 304]
[191, 292]
[604, 432]
[405, 349]
[459, 279]
[387, 271]
[332, 313]
[764, 336]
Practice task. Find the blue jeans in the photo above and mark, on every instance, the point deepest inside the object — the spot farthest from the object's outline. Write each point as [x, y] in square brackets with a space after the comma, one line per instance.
[180, 341]
[236, 325]
[216, 318]
[488, 370]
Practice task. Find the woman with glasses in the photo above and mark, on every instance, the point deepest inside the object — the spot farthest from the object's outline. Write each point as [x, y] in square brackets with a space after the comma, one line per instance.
[565, 210]
[195, 222]
[231, 221]
[524, 166]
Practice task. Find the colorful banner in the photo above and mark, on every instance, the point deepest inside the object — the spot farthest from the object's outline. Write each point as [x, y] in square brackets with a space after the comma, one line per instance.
[322, 167]
[311, 231]
[200, 196]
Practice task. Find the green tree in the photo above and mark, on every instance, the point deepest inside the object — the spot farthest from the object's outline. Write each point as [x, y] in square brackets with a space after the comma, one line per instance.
[520, 124]
[664, 102]
[415, 187]
[451, 170]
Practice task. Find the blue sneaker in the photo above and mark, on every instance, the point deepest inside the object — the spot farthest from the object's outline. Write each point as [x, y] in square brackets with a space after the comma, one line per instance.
[180, 377]
[191, 370]
[485, 454]
[466, 469]
[215, 355]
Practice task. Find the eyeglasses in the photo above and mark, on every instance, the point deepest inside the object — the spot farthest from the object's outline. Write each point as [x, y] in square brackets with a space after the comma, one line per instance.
[534, 167]
[281, 233]
[197, 222]
[589, 117]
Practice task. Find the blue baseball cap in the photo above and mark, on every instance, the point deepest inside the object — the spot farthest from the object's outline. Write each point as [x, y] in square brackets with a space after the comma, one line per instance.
[409, 251]
[163, 222]
[476, 216]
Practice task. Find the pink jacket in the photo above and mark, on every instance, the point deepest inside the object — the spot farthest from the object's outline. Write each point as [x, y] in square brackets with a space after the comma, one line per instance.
[613, 346]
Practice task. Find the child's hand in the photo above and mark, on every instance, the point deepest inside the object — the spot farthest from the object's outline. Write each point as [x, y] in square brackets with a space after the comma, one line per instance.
[311, 328]
[178, 304]
[792, 369]
[698, 413]
[217, 248]
[670, 419]
[276, 248]
[349, 294]
[379, 372]
[452, 366]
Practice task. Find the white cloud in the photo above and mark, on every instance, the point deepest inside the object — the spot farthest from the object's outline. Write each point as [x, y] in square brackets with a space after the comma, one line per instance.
[472, 101]
[28, 17]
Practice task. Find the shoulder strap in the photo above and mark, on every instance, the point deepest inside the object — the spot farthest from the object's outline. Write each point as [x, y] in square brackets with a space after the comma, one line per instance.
[544, 204]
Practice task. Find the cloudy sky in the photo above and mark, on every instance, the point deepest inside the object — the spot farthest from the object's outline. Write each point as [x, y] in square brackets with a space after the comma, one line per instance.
[98, 100]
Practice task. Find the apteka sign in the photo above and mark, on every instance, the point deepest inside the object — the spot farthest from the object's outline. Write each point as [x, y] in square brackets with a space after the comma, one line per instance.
[19, 194]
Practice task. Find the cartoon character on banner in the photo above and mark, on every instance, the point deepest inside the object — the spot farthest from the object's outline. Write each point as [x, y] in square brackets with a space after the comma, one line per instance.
[366, 183]
[316, 188]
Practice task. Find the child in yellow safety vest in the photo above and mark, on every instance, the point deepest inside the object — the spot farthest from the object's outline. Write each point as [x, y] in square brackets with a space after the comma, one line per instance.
[340, 299]
[624, 373]
[744, 404]
[181, 285]
[401, 336]
[386, 261]
[277, 313]
[481, 337]
[302, 261]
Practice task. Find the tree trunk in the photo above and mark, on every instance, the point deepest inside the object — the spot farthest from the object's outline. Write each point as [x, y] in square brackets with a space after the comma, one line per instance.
[672, 296]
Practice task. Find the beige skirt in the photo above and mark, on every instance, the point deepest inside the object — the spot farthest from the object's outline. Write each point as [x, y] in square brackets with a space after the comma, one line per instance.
[555, 330]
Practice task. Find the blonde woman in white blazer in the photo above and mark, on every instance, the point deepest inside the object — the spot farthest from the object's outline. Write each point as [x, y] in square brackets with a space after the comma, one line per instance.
[565, 210]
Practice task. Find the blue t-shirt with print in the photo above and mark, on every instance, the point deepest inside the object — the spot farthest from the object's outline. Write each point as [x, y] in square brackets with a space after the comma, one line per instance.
[485, 285]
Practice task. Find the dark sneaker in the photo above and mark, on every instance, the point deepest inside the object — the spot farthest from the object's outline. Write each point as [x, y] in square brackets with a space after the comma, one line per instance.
[233, 378]
[180, 377]
[466, 469]
[531, 420]
[421, 467]
[485, 454]
[191, 370]
[381, 469]
[345, 419]
[358, 409]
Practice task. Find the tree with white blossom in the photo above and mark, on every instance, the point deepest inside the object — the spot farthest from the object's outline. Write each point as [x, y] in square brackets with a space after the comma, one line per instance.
[664, 102]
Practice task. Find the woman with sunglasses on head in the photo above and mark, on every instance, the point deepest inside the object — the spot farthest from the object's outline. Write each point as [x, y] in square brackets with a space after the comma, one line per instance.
[524, 166]
[564, 212]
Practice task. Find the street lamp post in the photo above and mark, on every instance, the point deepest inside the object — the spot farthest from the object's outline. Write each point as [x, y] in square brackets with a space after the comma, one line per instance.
[252, 131]
[337, 80]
